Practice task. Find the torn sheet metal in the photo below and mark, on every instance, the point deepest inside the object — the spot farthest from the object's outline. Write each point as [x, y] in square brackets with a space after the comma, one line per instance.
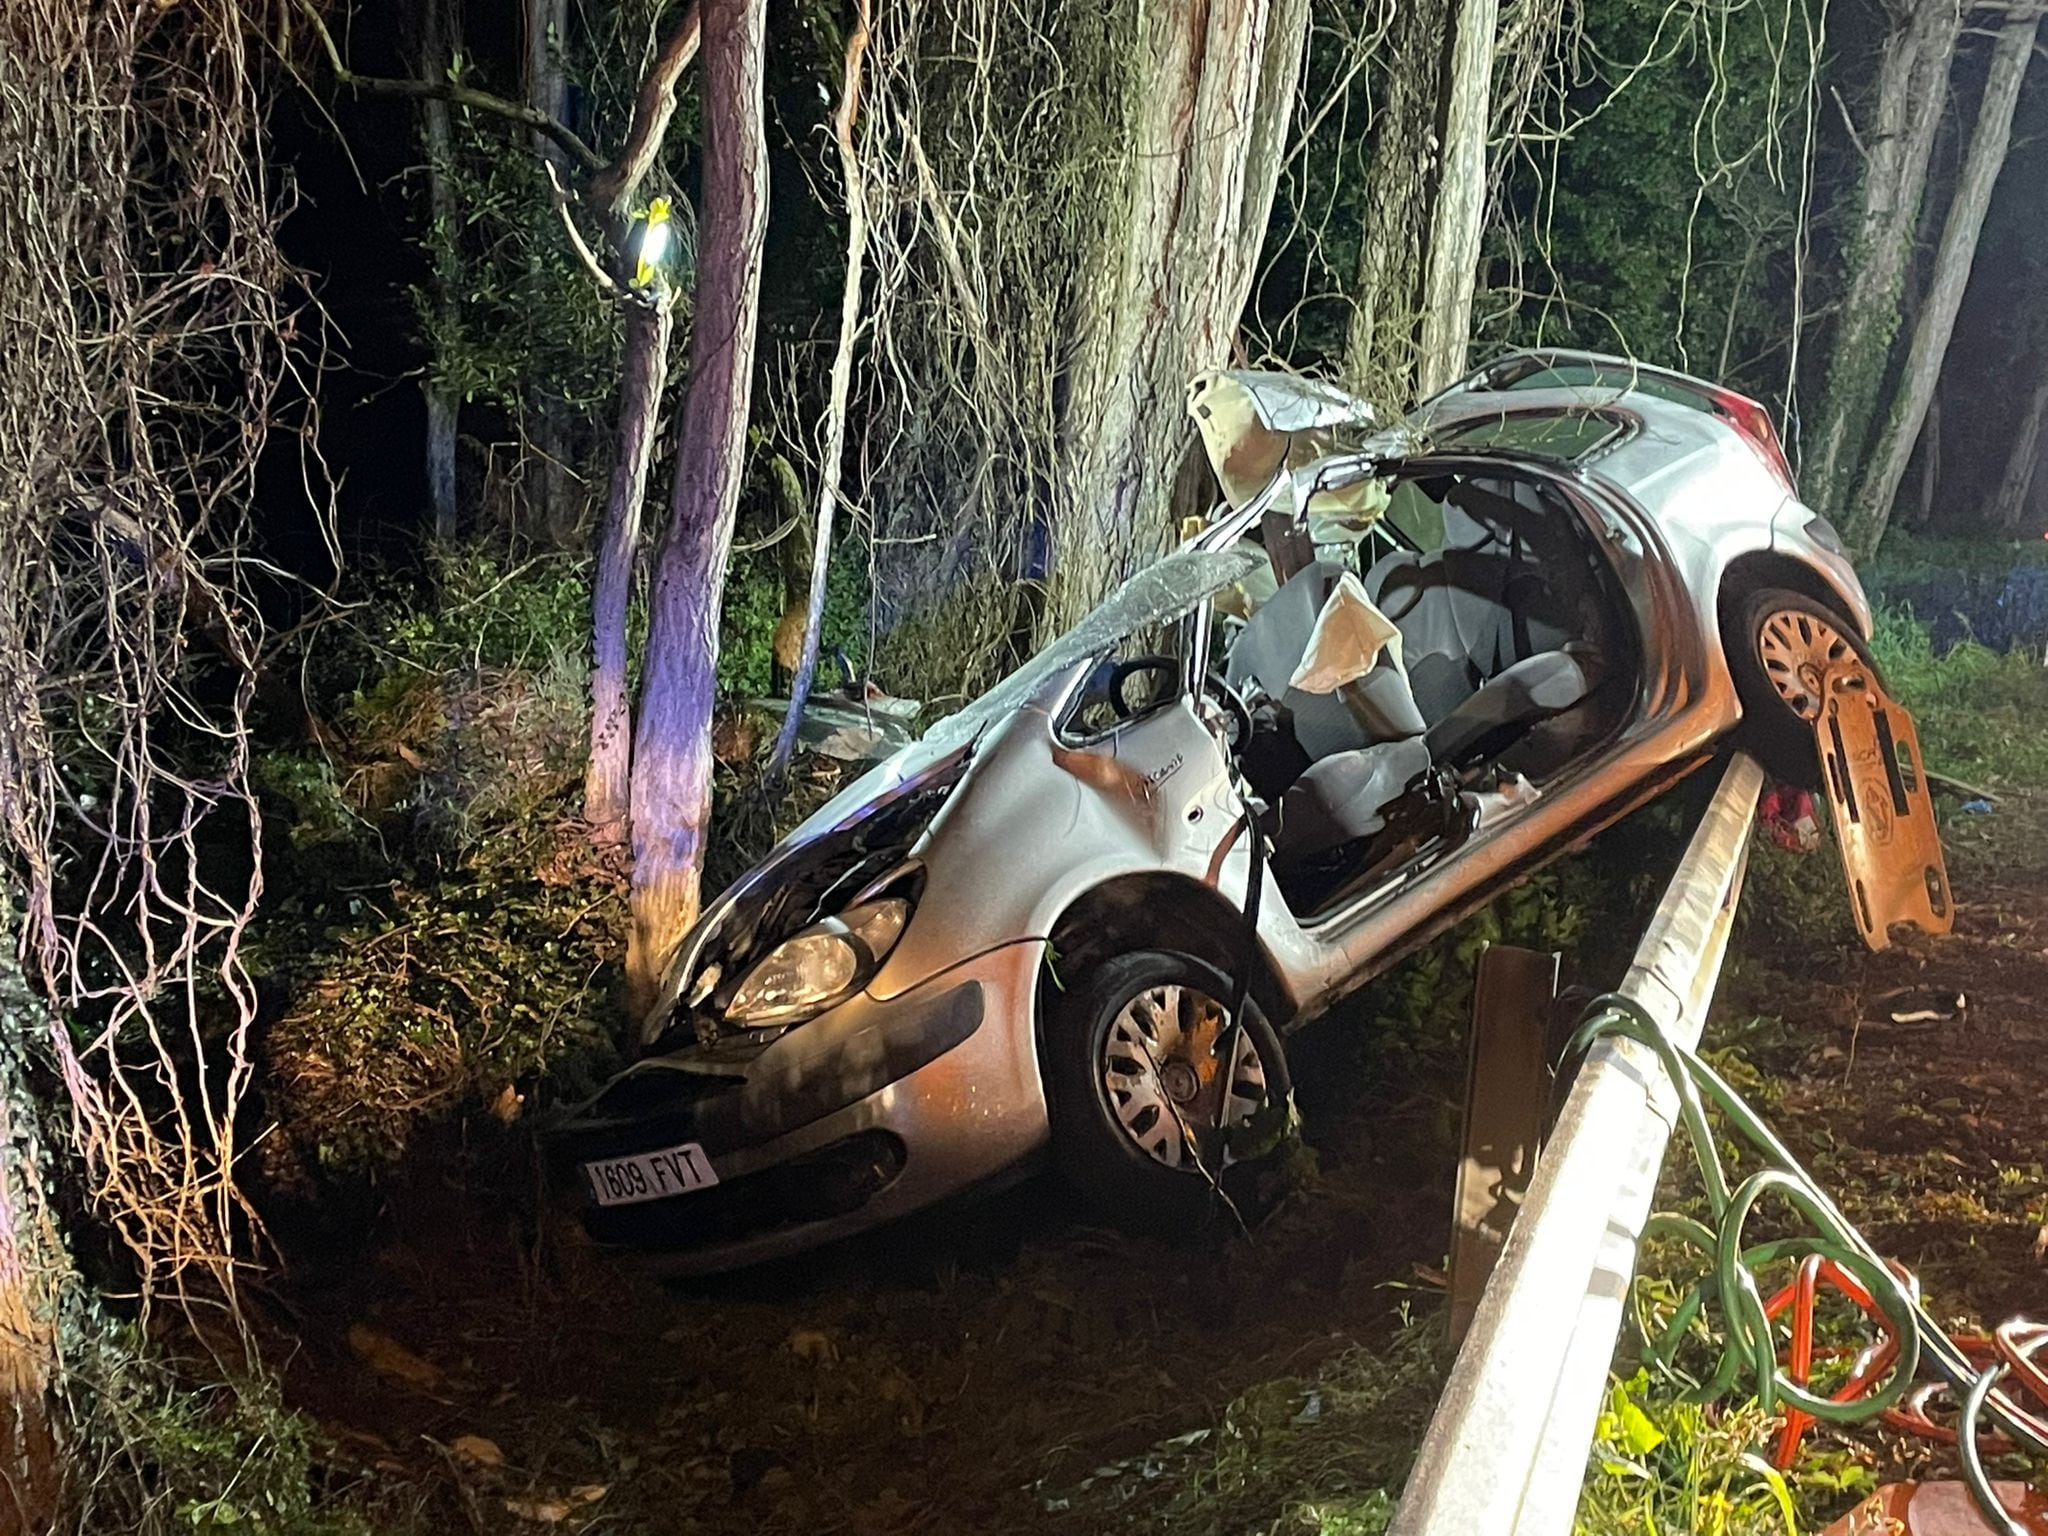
[1254, 421]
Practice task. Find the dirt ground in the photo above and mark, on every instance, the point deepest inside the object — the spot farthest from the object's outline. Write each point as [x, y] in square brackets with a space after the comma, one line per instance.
[960, 1371]
[1913, 1084]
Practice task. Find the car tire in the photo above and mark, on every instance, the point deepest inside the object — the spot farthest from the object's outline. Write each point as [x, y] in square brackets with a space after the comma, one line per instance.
[1133, 1137]
[1778, 644]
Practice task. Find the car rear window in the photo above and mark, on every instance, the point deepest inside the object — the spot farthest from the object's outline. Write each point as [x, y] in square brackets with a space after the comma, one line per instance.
[1591, 375]
[1567, 436]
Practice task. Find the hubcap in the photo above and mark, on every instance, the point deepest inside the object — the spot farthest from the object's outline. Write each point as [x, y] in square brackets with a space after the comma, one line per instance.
[1174, 1094]
[1796, 650]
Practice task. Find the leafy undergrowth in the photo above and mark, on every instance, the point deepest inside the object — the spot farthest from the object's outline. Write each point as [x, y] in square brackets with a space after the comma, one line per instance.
[1661, 1464]
[165, 1441]
[441, 938]
[422, 992]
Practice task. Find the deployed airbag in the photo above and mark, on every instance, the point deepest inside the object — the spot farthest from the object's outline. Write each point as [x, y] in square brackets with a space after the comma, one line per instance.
[1349, 636]
[1373, 705]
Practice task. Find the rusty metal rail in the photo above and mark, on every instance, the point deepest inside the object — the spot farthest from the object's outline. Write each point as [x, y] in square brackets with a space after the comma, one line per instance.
[1506, 1451]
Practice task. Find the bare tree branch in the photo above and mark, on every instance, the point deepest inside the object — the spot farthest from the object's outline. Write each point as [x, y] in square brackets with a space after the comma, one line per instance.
[613, 188]
[559, 196]
[1849, 123]
[836, 407]
[455, 95]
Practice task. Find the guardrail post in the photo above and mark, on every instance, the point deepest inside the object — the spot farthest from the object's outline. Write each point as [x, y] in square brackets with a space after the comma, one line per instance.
[1507, 1095]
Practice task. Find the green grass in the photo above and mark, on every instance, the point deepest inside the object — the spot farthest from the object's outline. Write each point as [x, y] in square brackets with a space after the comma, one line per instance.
[1662, 1465]
[1320, 1455]
[1983, 716]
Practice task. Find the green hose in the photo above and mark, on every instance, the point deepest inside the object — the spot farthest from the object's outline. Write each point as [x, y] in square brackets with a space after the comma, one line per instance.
[1748, 1352]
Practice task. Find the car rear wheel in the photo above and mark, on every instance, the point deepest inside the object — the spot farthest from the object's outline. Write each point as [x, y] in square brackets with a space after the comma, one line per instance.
[1159, 1111]
[1779, 655]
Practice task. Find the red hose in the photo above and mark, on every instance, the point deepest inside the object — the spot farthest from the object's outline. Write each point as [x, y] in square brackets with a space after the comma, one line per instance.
[2010, 1345]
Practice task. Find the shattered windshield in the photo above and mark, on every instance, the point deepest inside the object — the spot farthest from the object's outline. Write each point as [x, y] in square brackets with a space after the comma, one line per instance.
[1162, 591]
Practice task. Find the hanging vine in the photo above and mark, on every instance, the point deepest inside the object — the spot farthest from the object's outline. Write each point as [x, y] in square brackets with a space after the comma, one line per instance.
[151, 347]
[1696, 259]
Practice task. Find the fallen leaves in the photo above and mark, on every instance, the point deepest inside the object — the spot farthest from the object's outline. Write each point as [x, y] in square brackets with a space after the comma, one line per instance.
[813, 1345]
[554, 1510]
[387, 1357]
[508, 1104]
[477, 1451]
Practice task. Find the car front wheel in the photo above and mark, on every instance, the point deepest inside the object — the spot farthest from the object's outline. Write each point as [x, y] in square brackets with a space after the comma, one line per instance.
[1160, 1111]
[1779, 656]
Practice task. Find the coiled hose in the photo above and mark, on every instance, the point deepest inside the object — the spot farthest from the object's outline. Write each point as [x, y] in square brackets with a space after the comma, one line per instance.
[1729, 1295]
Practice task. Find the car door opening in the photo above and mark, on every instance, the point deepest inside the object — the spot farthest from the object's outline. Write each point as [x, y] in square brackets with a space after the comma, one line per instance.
[1493, 653]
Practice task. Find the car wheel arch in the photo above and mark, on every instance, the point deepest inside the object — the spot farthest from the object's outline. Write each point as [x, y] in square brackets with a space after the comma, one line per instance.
[1757, 570]
[1154, 910]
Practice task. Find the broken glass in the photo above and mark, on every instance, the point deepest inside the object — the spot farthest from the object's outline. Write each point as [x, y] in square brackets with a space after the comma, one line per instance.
[1161, 592]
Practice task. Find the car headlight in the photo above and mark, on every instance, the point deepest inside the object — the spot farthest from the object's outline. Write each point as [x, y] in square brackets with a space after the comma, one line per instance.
[809, 971]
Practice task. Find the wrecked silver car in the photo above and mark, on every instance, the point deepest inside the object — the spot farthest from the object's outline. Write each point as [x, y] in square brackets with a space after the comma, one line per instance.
[1394, 672]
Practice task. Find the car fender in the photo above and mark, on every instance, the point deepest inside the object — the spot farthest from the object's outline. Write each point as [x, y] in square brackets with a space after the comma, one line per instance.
[1796, 534]
[1043, 822]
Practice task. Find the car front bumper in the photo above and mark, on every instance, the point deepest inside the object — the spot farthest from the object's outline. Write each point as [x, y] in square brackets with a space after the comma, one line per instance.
[864, 1114]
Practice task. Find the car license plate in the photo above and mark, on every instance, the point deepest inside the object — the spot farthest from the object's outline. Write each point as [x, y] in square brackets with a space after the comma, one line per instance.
[650, 1175]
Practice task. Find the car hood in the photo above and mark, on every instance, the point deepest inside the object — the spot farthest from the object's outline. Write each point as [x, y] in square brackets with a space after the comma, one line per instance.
[1160, 593]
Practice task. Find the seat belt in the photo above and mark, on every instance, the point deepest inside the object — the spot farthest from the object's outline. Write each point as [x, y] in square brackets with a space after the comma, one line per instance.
[1518, 621]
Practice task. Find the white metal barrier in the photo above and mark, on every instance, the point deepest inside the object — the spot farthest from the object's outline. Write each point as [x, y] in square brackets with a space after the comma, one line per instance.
[1506, 1451]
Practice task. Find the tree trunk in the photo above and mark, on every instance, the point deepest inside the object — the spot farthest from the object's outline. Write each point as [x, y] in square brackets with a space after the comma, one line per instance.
[1952, 262]
[443, 404]
[1930, 463]
[1207, 106]
[1380, 350]
[1912, 84]
[644, 369]
[547, 32]
[2009, 506]
[671, 776]
[835, 411]
[34, 1269]
[1460, 207]
[643, 372]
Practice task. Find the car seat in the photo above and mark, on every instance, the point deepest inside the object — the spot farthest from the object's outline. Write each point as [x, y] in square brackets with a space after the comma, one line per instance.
[1486, 624]
[1486, 621]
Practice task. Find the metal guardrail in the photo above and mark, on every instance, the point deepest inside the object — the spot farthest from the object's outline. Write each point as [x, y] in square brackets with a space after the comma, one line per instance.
[1506, 1451]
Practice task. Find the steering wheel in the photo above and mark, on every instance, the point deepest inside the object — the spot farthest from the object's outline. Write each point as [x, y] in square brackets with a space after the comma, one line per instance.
[1233, 705]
